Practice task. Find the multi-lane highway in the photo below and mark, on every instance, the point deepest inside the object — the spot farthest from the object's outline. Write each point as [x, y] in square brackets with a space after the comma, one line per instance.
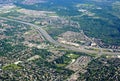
[51, 40]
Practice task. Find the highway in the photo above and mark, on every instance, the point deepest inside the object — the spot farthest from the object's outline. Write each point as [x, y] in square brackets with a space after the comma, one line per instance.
[51, 40]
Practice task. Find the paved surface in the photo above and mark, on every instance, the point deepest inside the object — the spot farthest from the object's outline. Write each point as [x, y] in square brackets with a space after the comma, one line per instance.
[51, 40]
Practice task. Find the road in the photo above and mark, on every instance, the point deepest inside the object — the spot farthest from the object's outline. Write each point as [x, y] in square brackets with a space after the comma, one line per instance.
[51, 40]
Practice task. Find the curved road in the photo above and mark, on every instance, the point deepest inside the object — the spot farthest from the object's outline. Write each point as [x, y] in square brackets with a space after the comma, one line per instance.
[51, 40]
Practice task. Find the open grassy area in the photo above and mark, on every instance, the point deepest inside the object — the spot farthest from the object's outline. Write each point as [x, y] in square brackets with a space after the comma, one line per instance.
[66, 59]
[73, 56]
[11, 67]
